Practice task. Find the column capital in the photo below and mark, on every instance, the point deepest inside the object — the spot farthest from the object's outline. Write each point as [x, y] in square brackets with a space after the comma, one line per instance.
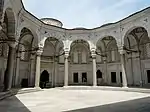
[18, 55]
[122, 50]
[39, 51]
[93, 53]
[12, 42]
[66, 53]
[32, 56]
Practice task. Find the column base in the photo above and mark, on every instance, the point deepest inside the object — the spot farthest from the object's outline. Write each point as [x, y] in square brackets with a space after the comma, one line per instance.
[38, 88]
[124, 86]
[65, 86]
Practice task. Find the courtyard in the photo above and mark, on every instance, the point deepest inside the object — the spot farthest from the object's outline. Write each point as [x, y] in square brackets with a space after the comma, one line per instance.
[77, 100]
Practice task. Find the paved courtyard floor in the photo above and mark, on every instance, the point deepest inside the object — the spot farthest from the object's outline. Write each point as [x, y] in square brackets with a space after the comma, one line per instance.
[58, 100]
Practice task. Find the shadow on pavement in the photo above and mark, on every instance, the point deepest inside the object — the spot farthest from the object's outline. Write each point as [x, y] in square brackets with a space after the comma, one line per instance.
[13, 104]
[139, 105]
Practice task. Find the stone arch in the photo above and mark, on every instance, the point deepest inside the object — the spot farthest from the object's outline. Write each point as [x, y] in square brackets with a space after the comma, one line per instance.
[74, 40]
[130, 29]
[82, 48]
[134, 36]
[9, 16]
[26, 43]
[108, 46]
[33, 32]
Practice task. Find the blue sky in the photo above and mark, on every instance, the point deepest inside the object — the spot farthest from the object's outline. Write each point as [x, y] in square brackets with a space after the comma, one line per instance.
[85, 13]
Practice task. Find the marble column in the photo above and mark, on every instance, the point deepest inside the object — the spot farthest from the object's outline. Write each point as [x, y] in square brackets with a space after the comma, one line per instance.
[66, 69]
[105, 70]
[17, 69]
[31, 70]
[38, 67]
[94, 68]
[10, 68]
[56, 71]
[124, 76]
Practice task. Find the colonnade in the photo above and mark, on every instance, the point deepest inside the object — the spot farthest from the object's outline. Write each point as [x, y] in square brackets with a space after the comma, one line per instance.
[66, 68]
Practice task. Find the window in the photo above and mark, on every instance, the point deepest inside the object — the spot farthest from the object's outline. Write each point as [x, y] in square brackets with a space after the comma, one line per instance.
[84, 55]
[113, 77]
[112, 55]
[75, 57]
[75, 78]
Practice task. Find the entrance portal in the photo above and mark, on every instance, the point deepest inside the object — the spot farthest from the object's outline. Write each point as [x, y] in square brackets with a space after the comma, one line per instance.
[44, 79]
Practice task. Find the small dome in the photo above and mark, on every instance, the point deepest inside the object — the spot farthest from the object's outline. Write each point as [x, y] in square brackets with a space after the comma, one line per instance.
[51, 21]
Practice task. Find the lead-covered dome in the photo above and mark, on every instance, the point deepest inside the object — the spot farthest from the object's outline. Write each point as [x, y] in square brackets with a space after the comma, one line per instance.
[51, 21]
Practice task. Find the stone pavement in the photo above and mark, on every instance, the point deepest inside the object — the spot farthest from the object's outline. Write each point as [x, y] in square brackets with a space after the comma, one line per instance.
[58, 100]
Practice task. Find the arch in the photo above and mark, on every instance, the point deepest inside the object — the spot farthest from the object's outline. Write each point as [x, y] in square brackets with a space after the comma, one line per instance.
[44, 78]
[129, 30]
[9, 16]
[80, 40]
[25, 43]
[132, 39]
[32, 31]
[109, 48]
[80, 51]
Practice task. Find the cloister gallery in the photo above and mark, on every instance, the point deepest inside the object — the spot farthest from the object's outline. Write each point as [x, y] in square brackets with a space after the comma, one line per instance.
[40, 52]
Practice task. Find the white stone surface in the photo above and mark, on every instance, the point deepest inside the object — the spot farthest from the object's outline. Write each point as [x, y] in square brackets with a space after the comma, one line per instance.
[56, 100]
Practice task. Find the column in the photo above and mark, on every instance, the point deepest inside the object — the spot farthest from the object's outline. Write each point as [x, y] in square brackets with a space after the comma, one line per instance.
[17, 69]
[94, 68]
[105, 70]
[124, 76]
[31, 70]
[10, 69]
[56, 71]
[66, 69]
[38, 67]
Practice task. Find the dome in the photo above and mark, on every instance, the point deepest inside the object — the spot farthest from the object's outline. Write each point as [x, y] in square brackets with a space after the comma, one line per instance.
[51, 21]
[79, 28]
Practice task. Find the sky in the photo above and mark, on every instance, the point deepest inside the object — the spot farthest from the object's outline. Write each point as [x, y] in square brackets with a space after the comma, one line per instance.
[85, 13]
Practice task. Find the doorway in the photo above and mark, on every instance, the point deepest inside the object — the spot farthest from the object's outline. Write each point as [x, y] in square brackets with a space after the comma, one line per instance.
[99, 74]
[121, 77]
[84, 77]
[75, 78]
[44, 79]
[148, 76]
[113, 77]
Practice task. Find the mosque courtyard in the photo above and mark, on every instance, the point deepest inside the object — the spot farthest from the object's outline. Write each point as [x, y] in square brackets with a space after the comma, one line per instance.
[77, 100]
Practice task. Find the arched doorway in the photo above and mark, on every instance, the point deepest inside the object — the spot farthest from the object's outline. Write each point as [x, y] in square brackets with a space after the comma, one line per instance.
[44, 79]
[99, 77]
